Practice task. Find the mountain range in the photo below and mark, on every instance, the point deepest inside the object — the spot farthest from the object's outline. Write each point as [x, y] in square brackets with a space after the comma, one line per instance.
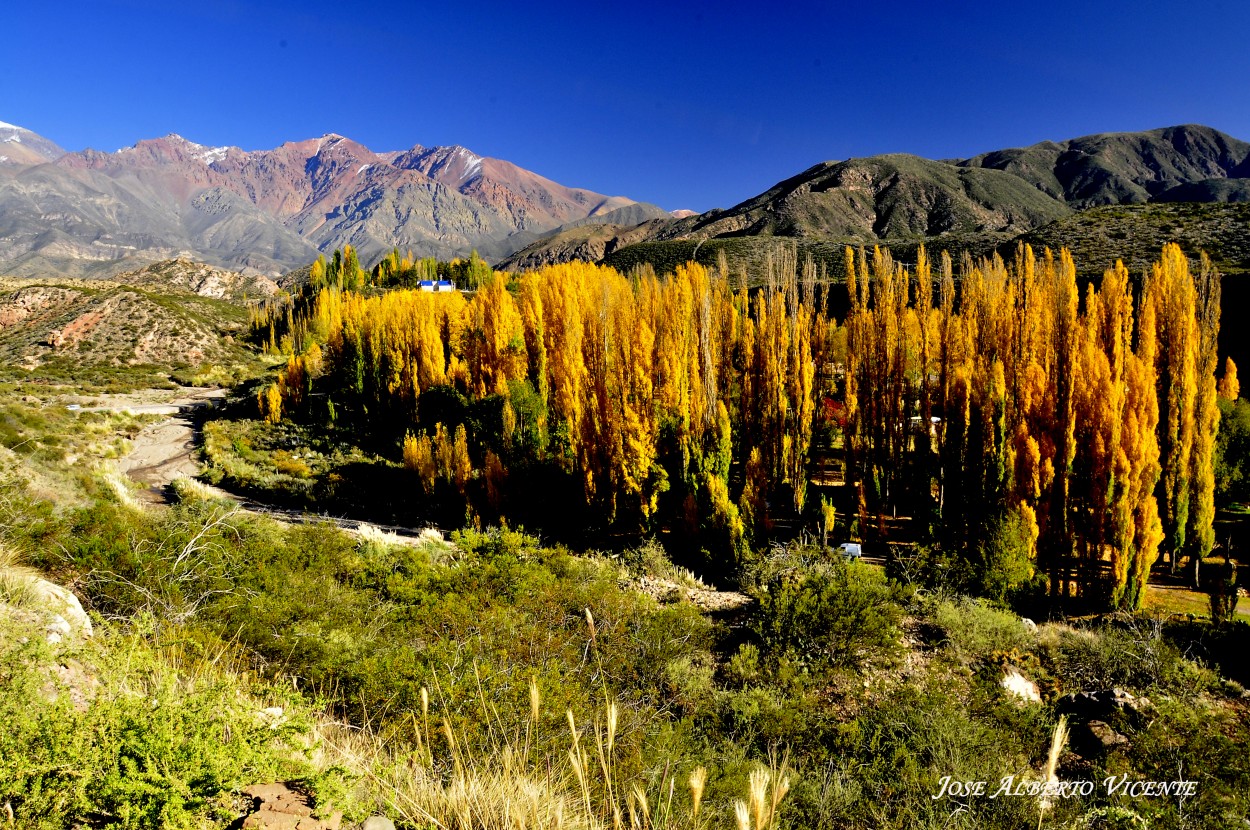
[93, 213]
[995, 196]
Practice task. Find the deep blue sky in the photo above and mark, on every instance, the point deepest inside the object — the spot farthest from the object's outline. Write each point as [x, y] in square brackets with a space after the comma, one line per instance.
[692, 105]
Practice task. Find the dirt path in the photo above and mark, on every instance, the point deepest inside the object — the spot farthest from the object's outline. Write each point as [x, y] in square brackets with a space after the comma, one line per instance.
[165, 451]
[147, 401]
[160, 454]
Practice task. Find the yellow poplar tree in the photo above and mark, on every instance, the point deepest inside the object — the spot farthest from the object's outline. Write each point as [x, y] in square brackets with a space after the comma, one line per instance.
[1230, 388]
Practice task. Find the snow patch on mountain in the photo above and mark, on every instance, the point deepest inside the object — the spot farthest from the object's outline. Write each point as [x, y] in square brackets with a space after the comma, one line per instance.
[208, 155]
[472, 164]
[329, 139]
[7, 126]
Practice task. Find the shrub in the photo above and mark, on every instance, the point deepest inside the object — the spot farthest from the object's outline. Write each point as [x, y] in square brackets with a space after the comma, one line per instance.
[1129, 652]
[900, 747]
[974, 629]
[837, 614]
[744, 667]
[167, 740]
[1224, 595]
[288, 464]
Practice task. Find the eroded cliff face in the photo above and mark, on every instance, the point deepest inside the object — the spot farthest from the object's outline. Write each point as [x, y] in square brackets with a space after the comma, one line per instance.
[172, 313]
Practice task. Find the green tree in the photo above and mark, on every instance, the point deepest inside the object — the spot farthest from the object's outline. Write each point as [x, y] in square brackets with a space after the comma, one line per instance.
[1232, 452]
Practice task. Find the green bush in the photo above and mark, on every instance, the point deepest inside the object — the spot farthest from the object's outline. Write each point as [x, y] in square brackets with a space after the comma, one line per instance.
[744, 667]
[1223, 595]
[836, 614]
[1130, 652]
[141, 734]
[1196, 743]
[1232, 452]
[974, 629]
[894, 755]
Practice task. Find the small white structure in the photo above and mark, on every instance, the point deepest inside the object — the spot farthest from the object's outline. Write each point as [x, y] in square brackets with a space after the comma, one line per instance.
[436, 285]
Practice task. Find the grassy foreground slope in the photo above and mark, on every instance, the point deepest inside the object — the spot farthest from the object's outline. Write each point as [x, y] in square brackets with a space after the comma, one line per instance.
[445, 683]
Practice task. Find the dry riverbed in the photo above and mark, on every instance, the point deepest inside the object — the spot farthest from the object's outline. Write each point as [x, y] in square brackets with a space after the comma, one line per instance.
[161, 452]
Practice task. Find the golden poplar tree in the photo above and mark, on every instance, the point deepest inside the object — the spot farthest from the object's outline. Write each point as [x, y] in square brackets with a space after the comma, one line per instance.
[1230, 388]
[1170, 293]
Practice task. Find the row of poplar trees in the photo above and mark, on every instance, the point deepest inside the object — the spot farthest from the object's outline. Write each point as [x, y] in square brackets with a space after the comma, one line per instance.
[1087, 424]
[652, 390]
[998, 398]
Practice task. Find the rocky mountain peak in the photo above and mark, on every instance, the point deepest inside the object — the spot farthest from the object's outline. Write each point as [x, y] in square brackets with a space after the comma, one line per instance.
[19, 146]
[273, 210]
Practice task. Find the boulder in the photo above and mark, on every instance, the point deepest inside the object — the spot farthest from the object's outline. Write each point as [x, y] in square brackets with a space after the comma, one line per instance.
[1101, 705]
[47, 607]
[1017, 684]
[68, 615]
[1097, 738]
[378, 823]
[278, 807]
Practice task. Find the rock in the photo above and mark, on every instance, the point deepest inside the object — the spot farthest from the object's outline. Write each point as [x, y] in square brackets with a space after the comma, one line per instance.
[378, 823]
[278, 807]
[1029, 625]
[1102, 704]
[63, 603]
[1073, 767]
[57, 629]
[273, 717]
[47, 606]
[1122, 699]
[1015, 682]
[1097, 738]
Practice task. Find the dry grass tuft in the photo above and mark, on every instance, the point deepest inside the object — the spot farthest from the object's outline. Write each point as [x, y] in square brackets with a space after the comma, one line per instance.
[1050, 775]
[16, 579]
[698, 780]
[188, 489]
[121, 487]
[509, 785]
[383, 538]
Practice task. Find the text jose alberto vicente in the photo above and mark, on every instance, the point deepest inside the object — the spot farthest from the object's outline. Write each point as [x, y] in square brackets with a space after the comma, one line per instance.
[1011, 786]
